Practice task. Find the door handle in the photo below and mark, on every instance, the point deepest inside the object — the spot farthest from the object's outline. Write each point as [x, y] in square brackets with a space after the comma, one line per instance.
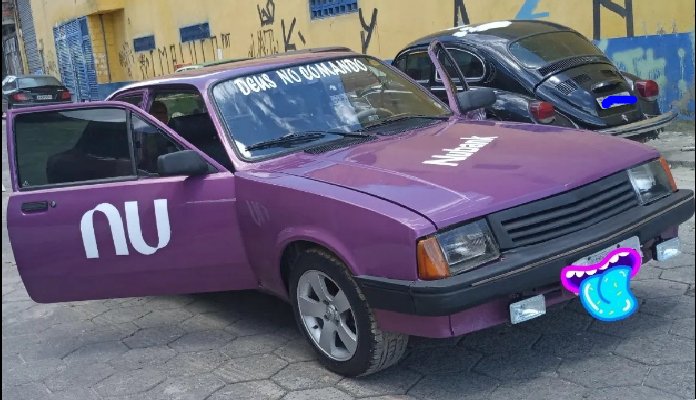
[35, 206]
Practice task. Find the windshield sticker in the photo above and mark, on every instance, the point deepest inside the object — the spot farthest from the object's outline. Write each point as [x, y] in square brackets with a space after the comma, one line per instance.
[344, 109]
[462, 152]
[295, 75]
[118, 233]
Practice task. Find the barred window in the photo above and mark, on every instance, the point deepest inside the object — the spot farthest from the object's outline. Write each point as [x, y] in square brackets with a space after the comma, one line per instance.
[144, 43]
[194, 32]
[331, 8]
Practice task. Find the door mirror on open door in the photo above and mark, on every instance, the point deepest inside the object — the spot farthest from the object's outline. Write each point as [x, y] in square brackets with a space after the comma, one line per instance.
[474, 99]
[182, 163]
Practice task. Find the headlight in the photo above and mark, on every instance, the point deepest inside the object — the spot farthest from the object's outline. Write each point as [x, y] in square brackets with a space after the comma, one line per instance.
[468, 246]
[456, 251]
[652, 180]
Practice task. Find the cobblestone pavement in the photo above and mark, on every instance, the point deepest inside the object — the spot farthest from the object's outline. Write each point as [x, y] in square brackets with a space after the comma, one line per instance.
[244, 345]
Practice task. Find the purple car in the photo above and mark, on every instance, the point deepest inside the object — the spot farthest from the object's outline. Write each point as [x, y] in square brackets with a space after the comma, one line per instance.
[335, 182]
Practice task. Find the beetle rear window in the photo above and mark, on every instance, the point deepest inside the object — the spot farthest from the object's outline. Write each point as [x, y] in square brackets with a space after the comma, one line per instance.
[539, 50]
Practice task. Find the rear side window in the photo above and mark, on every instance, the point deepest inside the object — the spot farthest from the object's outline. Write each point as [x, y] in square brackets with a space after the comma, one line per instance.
[539, 50]
[135, 100]
[63, 147]
[418, 66]
[470, 65]
[37, 81]
[178, 104]
[451, 70]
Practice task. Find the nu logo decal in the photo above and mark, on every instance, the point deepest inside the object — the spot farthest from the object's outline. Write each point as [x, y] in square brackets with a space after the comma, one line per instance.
[135, 234]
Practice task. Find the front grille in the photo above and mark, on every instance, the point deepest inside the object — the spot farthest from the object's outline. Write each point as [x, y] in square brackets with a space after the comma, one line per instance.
[563, 214]
[568, 63]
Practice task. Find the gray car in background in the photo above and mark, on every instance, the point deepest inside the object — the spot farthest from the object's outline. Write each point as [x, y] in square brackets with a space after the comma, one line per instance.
[19, 91]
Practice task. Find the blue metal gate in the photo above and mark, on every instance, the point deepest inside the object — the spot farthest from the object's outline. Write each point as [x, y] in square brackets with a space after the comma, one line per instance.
[76, 59]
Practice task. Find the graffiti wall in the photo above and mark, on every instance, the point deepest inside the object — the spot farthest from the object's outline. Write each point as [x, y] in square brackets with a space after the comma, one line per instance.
[255, 28]
[666, 59]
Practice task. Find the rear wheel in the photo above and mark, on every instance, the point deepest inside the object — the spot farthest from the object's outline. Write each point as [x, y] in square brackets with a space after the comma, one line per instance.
[334, 317]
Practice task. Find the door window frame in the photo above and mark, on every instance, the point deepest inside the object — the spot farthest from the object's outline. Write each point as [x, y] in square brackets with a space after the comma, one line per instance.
[129, 109]
[126, 178]
[410, 53]
[133, 93]
[468, 80]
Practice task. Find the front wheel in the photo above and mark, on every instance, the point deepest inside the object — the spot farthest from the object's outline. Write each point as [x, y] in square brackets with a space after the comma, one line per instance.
[334, 317]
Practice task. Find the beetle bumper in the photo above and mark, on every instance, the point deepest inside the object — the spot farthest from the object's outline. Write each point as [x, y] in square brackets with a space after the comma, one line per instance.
[640, 127]
[528, 269]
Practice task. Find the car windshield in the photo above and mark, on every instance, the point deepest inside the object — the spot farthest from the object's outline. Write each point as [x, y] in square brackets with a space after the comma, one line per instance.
[36, 81]
[347, 95]
[539, 50]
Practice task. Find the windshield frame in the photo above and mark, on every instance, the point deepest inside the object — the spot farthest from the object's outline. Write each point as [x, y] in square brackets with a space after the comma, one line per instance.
[527, 66]
[229, 137]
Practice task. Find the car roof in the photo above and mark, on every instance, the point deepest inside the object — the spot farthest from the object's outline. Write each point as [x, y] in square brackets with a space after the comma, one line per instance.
[33, 76]
[508, 31]
[201, 77]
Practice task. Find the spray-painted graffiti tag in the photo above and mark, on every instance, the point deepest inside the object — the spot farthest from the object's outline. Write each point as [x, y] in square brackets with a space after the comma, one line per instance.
[625, 12]
[367, 29]
[264, 41]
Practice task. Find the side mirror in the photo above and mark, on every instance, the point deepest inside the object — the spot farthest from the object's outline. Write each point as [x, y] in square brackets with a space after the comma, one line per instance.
[475, 99]
[185, 162]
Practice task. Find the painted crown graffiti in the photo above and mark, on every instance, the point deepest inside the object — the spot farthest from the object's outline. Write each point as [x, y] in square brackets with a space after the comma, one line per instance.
[135, 233]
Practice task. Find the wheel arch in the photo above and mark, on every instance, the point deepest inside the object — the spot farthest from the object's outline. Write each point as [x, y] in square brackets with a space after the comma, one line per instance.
[293, 247]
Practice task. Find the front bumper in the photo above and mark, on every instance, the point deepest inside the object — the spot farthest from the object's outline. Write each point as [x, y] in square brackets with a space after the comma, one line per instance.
[640, 127]
[525, 269]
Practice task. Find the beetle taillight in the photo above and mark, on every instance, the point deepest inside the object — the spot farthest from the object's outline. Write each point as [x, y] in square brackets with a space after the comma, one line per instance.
[648, 89]
[20, 97]
[542, 111]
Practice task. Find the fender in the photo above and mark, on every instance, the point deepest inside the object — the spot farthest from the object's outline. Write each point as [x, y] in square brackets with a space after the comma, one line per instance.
[648, 107]
[514, 107]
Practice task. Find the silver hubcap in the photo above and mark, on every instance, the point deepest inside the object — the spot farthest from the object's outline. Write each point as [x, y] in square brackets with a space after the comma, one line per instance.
[327, 316]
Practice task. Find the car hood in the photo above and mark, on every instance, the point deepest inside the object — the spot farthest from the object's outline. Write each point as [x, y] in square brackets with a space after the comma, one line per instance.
[516, 164]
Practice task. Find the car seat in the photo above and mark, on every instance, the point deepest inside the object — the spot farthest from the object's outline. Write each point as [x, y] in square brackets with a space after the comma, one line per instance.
[199, 130]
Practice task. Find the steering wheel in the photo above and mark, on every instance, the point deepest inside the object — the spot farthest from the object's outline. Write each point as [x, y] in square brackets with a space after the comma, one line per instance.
[380, 112]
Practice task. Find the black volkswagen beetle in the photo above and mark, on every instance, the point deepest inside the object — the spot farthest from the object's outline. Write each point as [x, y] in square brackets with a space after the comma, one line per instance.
[543, 73]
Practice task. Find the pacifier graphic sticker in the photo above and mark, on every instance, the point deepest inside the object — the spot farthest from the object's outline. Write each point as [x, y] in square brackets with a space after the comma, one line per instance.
[604, 288]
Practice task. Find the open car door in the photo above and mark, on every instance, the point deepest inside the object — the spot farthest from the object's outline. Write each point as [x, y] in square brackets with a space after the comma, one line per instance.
[97, 214]
[453, 79]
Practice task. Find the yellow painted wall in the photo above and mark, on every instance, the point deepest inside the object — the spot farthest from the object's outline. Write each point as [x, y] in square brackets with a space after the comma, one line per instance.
[238, 31]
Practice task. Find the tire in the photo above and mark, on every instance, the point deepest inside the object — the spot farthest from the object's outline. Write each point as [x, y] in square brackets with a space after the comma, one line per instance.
[375, 350]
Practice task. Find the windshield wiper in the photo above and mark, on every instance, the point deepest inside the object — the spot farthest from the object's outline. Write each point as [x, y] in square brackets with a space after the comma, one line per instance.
[341, 133]
[287, 139]
[295, 137]
[397, 118]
